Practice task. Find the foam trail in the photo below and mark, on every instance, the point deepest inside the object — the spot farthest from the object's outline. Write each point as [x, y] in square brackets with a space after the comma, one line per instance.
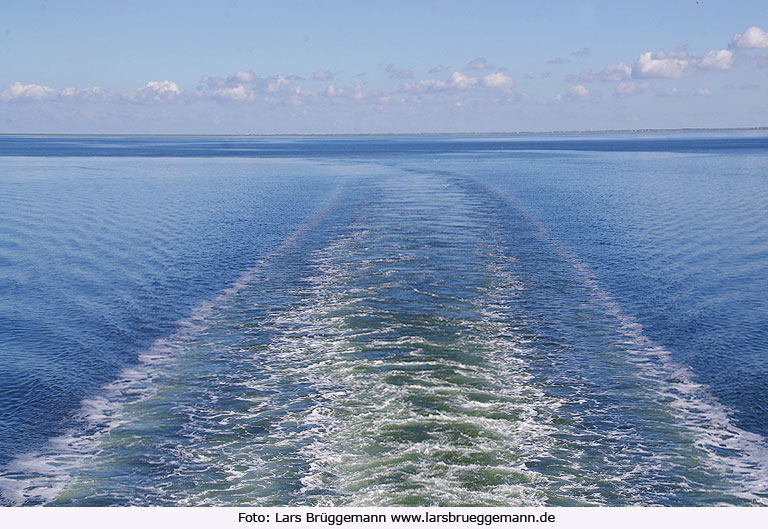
[41, 476]
[419, 343]
[734, 451]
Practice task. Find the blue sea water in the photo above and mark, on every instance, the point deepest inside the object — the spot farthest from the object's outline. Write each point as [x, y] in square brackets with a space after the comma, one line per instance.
[454, 320]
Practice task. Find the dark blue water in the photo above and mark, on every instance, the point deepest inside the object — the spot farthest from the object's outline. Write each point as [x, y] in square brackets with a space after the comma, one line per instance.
[526, 320]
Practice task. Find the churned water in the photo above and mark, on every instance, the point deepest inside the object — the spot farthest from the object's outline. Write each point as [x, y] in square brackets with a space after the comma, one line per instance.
[544, 320]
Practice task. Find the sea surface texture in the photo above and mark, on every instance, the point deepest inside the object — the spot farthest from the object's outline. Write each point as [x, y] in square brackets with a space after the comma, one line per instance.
[457, 320]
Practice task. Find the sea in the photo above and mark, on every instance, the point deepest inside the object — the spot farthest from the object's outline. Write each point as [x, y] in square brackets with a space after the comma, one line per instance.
[455, 320]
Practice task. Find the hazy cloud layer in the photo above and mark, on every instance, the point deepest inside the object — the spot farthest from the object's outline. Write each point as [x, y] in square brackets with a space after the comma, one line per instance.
[628, 88]
[439, 68]
[322, 75]
[397, 73]
[477, 64]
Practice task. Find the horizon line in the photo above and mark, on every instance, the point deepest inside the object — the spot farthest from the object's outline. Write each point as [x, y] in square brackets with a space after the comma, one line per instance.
[347, 134]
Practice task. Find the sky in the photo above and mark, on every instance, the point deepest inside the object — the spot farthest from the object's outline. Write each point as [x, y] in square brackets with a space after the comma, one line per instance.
[267, 67]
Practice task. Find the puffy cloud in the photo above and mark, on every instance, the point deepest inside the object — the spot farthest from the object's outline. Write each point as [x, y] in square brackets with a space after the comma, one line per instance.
[477, 64]
[277, 84]
[154, 91]
[27, 92]
[234, 93]
[616, 72]
[212, 82]
[457, 81]
[717, 60]
[461, 81]
[396, 73]
[674, 65]
[33, 92]
[575, 93]
[439, 68]
[662, 65]
[242, 77]
[753, 37]
[322, 75]
[93, 93]
[578, 92]
[332, 91]
[425, 85]
[498, 80]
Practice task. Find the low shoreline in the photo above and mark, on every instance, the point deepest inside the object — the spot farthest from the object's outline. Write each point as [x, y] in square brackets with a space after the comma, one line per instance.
[389, 134]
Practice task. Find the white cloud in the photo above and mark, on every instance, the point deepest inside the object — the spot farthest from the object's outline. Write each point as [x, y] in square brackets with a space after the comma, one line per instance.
[578, 91]
[575, 93]
[425, 85]
[93, 93]
[662, 65]
[677, 64]
[212, 82]
[234, 93]
[277, 84]
[753, 37]
[616, 72]
[457, 81]
[154, 91]
[27, 92]
[242, 77]
[717, 60]
[322, 75]
[461, 81]
[498, 80]
[439, 68]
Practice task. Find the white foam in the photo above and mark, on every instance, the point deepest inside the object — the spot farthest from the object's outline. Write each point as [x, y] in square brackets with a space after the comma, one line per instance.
[699, 411]
[42, 475]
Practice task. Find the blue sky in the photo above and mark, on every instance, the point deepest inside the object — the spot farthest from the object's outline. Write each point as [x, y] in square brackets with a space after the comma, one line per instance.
[429, 66]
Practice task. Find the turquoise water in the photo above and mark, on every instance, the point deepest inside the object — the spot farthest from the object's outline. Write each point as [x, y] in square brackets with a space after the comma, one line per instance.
[566, 320]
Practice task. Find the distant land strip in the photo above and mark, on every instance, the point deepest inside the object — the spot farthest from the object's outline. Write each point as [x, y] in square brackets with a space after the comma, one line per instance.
[351, 134]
